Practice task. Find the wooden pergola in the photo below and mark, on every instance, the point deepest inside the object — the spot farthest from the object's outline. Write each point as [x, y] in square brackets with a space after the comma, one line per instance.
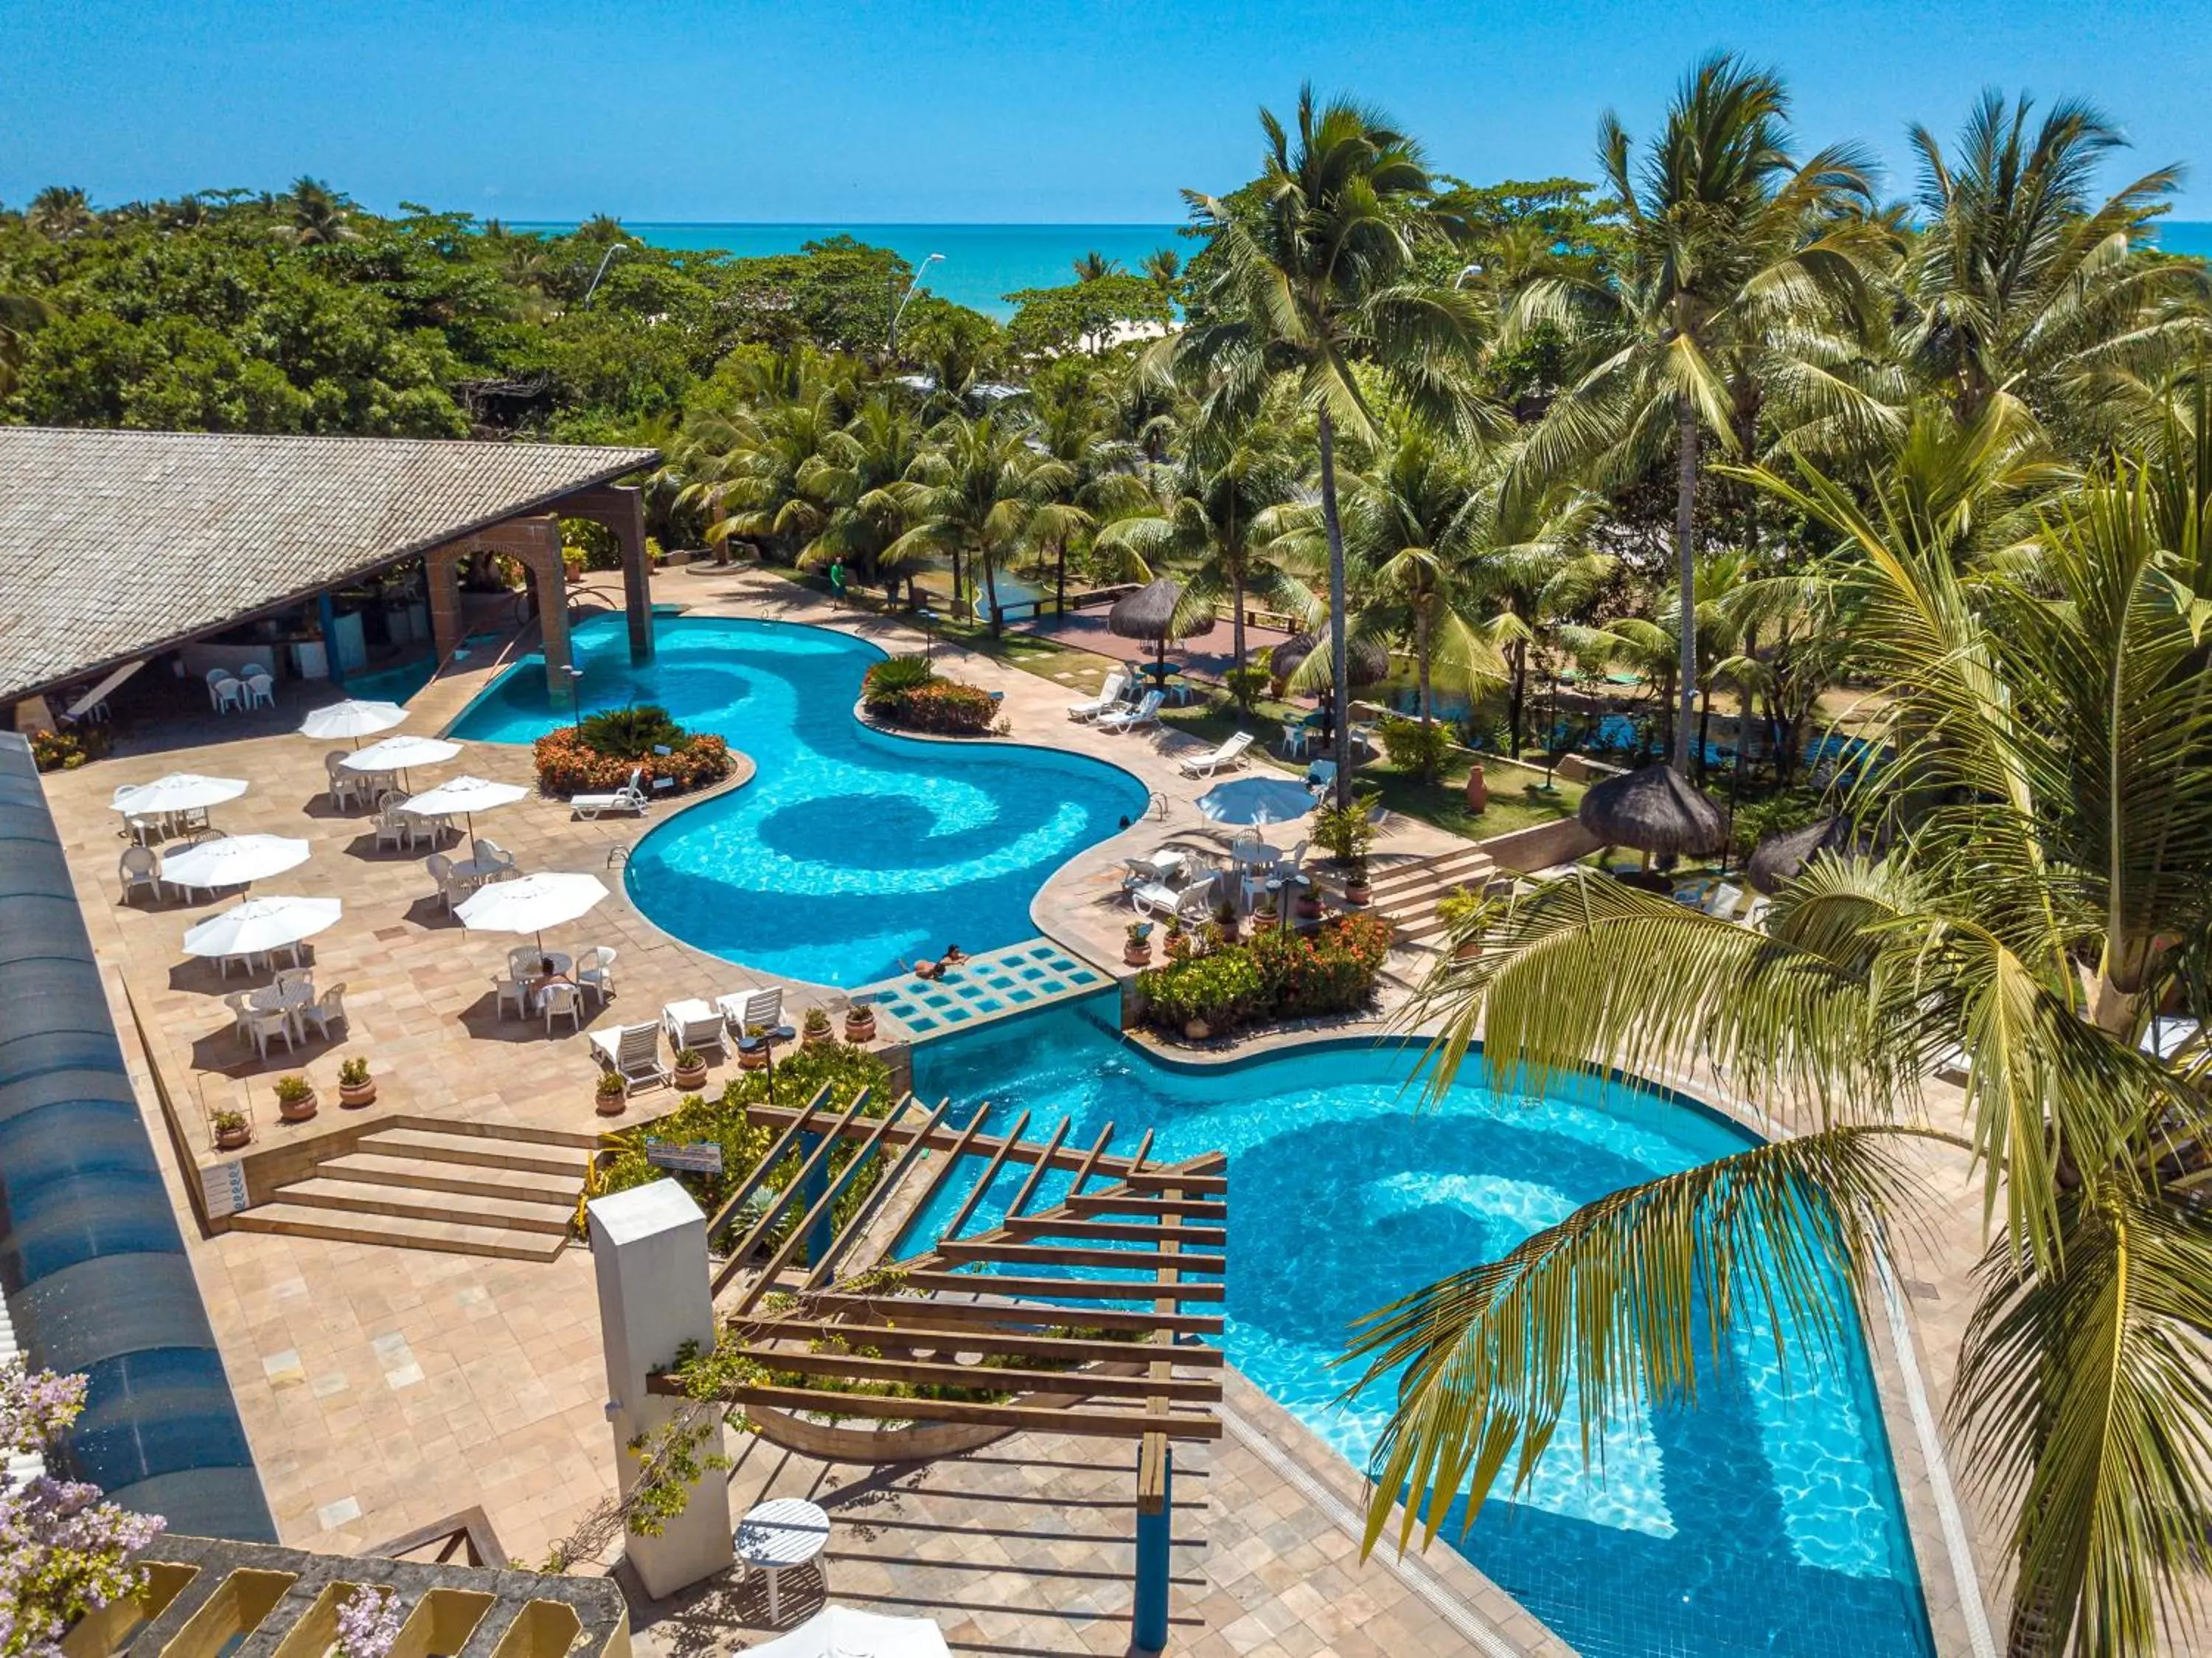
[1100, 1312]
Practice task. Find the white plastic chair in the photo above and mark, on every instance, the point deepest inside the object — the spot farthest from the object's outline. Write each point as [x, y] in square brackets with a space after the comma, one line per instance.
[395, 826]
[327, 1011]
[510, 989]
[241, 1017]
[345, 786]
[558, 999]
[260, 690]
[140, 866]
[215, 676]
[261, 1023]
[227, 694]
[490, 851]
[744, 1008]
[1294, 740]
[595, 972]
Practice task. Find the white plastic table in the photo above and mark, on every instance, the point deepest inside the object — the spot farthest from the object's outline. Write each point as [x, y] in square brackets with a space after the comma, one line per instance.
[781, 1533]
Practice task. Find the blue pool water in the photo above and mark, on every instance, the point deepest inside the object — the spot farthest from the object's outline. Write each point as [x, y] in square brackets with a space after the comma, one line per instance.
[851, 849]
[1767, 1521]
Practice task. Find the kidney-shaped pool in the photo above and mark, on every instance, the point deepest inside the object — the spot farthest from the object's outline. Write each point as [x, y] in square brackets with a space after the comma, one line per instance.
[851, 849]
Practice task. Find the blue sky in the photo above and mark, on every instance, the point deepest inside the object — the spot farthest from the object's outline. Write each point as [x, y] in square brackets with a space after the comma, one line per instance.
[994, 110]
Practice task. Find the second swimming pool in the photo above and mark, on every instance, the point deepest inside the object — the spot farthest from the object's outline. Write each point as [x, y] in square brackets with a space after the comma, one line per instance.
[852, 850]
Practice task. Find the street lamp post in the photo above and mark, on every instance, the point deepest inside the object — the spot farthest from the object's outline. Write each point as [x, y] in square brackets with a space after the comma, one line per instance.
[605, 259]
[912, 286]
[1465, 271]
[575, 694]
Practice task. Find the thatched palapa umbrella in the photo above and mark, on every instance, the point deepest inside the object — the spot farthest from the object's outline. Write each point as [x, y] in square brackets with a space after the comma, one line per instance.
[1370, 662]
[1150, 613]
[1779, 859]
[1654, 811]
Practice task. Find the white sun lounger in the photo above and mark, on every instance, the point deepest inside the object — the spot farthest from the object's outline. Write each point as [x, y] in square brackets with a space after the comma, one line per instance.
[1146, 713]
[692, 1024]
[1231, 752]
[630, 797]
[632, 1052]
[1193, 902]
[1108, 694]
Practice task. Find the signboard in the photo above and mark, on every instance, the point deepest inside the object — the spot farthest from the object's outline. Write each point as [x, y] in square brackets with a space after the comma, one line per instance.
[693, 1157]
[223, 1186]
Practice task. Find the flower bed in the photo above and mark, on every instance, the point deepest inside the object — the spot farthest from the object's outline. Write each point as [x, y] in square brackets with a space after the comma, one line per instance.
[905, 691]
[1277, 976]
[568, 764]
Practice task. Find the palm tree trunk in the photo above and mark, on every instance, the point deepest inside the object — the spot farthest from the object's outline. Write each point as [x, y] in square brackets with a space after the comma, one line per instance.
[953, 609]
[1059, 573]
[1519, 701]
[1421, 660]
[991, 591]
[1339, 662]
[1686, 552]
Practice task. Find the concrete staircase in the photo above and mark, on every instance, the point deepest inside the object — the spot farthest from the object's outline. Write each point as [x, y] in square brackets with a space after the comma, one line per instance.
[1407, 893]
[419, 1183]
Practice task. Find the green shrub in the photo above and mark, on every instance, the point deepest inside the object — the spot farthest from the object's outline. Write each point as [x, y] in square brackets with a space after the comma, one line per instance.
[1222, 989]
[632, 732]
[1247, 685]
[889, 682]
[1776, 815]
[844, 1069]
[1414, 747]
[1278, 975]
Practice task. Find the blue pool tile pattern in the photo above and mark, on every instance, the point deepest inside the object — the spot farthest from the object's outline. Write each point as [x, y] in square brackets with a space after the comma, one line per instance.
[1766, 1521]
[984, 987]
[852, 851]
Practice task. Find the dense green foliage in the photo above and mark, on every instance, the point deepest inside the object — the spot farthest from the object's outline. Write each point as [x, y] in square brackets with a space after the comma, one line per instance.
[1278, 975]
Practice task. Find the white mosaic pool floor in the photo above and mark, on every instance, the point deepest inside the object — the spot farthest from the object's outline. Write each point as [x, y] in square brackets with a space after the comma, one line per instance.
[985, 987]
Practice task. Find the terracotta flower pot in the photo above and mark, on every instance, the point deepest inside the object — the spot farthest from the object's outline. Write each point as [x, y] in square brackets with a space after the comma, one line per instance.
[1309, 906]
[753, 1058]
[354, 1096]
[691, 1078]
[821, 1039]
[610, 1104]
[1197, 1030]
[1477, 791]
[1137, 955]
[230, 1139]
[1357, 892]
[860, 1025]
[297, 1111]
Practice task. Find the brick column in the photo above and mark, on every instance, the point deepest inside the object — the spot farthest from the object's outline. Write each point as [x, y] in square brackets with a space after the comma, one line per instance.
[441, 579]
[622, 510]
[535, 544]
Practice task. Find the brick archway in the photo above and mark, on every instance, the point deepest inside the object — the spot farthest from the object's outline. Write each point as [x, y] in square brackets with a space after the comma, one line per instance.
[535, 544]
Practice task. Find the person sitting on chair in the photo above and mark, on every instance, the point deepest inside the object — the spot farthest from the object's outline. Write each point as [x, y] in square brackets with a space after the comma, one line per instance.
[534, 987]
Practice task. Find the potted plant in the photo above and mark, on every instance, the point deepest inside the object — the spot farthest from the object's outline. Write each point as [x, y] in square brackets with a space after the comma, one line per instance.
[356, 1088]
[611, 1094]
[690, 1069]
[859, 1023]
[1357, 887]
[814, 1029]
[1137, 945]
[1224, 918]
[231, 1130]
[1347, 832]
[1457, 910]
[295, 1099]
[754, 1057]
[1267, 913]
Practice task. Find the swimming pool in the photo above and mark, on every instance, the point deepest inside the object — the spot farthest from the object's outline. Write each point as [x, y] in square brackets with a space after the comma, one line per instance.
[1764, 1522]
[852, 850]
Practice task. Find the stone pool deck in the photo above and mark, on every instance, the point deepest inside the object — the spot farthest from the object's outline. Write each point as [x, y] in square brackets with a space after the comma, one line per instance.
[384, 1388]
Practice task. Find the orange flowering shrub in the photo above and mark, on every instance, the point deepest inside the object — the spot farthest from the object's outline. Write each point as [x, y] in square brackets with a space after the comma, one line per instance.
[567, 765]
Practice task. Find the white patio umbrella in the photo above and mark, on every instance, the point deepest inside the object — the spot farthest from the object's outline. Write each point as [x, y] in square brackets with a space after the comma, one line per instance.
[399, 754]
[529, 904]
[352, 719]
[1256, 801]
[465, 795]
[234, 860]
[841, 1632]
[180, 791]
[260, 924]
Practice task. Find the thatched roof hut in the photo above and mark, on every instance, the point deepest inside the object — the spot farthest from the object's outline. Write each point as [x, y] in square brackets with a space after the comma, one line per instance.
[1779, 859]
[1370, 661]
[1150, 613]
[1654, 810]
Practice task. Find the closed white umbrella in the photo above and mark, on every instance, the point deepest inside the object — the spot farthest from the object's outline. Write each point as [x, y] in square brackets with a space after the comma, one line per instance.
[529, 904]
[352, 719]
[180, 791]
[1256, 801]
[261, 924]
[234, 861]
[841, 1632]
[465, 795]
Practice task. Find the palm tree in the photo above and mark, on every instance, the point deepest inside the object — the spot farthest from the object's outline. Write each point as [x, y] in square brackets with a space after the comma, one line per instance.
[2050, 793]
[1316, 273]
[1094, 264]
[852, 475]
[1735, 248]
[749, 473]
[60, 211]
[979, 490]
[1164, 269]
[2018, 288]
[319, 214]
[1211, 517]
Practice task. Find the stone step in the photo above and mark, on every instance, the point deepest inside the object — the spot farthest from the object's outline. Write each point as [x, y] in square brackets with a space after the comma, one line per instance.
[366, 1197]
[429, 1174]
[1441, 873]
[436, 1145]
[397, 1232]
[573, 1139]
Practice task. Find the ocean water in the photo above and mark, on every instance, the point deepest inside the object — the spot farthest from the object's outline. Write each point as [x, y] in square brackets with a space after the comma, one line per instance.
[852, 850]
[1765, 1523]
[2184, 236]
[983, 263]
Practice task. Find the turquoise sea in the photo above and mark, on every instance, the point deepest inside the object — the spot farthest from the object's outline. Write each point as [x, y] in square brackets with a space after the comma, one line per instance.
[2186, 237]
[983, 263]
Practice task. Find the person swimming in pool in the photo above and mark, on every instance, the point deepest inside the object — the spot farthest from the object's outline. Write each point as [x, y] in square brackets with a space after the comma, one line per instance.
[926, 969]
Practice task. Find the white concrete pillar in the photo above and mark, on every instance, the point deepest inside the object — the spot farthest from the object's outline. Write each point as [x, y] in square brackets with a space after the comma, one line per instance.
[649, 1254]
